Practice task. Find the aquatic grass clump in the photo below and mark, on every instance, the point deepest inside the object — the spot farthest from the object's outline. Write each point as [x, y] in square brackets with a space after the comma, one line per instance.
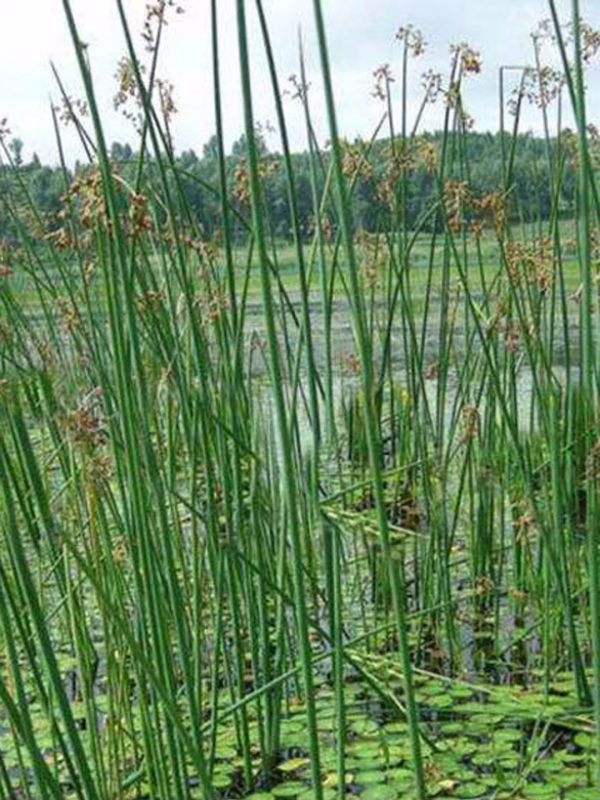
[311, 518]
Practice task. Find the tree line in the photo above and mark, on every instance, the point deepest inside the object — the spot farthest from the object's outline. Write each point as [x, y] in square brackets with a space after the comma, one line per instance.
[389, 178]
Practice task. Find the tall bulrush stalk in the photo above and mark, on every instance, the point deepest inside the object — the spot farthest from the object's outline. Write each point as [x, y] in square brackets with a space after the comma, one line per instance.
[370, 415]
[162, 527]
[589, 366]
[131, 408]
[285, 441]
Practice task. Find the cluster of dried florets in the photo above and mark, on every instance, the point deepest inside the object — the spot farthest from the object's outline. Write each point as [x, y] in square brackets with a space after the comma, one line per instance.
[428, 155]
[372, 258]
[5, 260]
[457, 197]
[524, 525]
[89, 192]
[465, 61]
[454, 101]
[512, 338]
[540, 87]
[544, 84]
[138, 219]
[126, 82]
[595, 252]
[593, 147]
[432, 371]
[299, 90]
[241, 180]
[493, 206]
[350, 364]
[569, 140]
[467, 58]
[88, 272]
[70, 109]
[86, 195]
[156, 15]
[62, 238]
[383, 77]
[127, 94]
[70, 316]
[471, 423]
[166, 99]
[328, 228]
[413, 40]
[84, 207]
[5, 131]
[402, 158]
[128, 97]
[406, 155]
[354, 161]
[432, 83]
[590, 37]
[99, 472]
[208, 251]
[211, 305]
[150, 301]
[267, 167]
[590, 42]
[466, 211]
[483, 585]
[530, 262]
[592, 466]
[86, 425]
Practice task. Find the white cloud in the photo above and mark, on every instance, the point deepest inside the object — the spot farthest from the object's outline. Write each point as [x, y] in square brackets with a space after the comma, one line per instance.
[361, 34]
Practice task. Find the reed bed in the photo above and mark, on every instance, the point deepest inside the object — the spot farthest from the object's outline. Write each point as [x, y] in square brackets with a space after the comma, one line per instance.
[238, 562]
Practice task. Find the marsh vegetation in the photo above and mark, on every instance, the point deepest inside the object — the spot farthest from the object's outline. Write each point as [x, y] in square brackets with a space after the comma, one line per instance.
[311, 518]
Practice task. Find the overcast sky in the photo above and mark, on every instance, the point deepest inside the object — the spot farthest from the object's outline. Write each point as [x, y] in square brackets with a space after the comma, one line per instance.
[361, 34]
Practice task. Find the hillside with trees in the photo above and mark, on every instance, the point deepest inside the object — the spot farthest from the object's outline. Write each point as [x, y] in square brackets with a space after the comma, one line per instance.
[476, 160]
